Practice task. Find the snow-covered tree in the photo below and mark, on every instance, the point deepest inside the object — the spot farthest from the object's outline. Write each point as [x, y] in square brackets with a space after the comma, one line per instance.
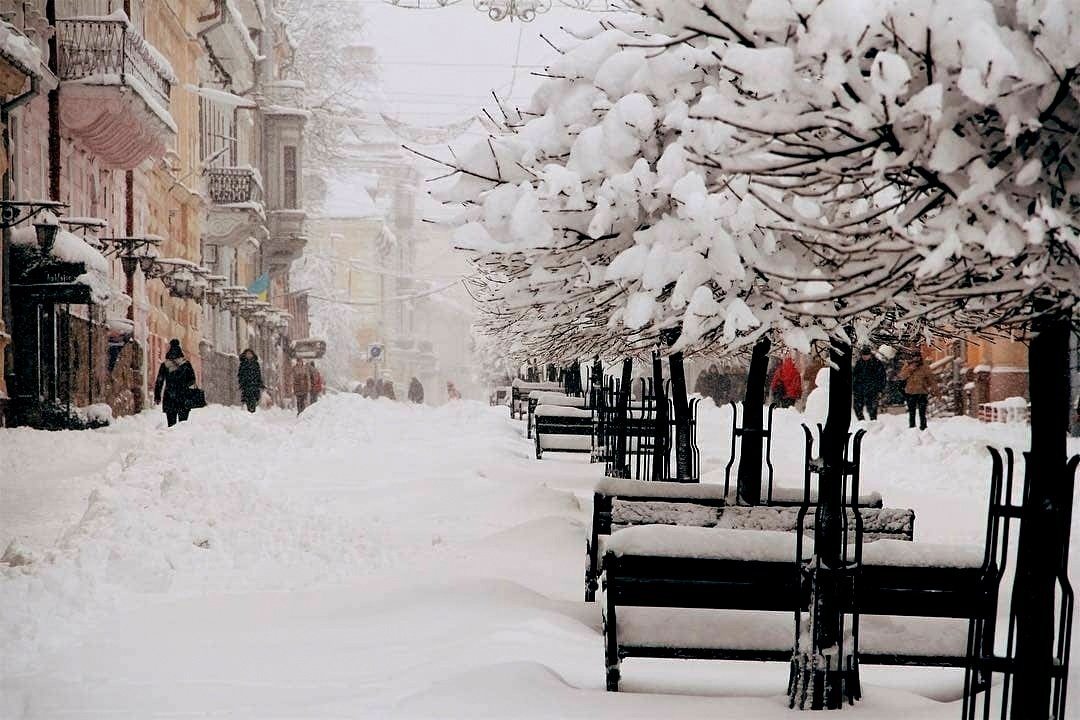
[925, 151]
[596, 232]
[806, 166]
[324, 37]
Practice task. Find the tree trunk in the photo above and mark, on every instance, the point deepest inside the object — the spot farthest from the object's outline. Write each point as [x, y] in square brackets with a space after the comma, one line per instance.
[749, 475]
[1041, 543]
[622, 408]
[828, 686]
[684, 461]
[660, 436]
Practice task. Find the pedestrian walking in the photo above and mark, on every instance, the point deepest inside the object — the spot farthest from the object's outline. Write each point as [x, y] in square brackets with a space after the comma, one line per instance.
[250, 379]
[301, 383]
[917, 382]
[175, 380]
[416, 391]
[786, 383]
[452, 392]
[386, 389]
[867, 383]
[371, 390]
[317, 387]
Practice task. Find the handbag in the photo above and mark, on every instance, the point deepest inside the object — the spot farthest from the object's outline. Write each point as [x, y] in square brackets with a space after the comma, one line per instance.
[196, 398]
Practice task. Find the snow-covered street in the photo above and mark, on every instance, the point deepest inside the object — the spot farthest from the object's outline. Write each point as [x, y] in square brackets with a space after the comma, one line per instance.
[373, 559]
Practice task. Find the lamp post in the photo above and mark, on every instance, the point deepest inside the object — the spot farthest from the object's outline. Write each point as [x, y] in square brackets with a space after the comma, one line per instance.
[134, 252]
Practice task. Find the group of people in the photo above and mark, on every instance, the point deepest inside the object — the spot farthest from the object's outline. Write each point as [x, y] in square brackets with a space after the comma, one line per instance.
[176, 389]
[869, 379]
[374, 388]
[307, 384]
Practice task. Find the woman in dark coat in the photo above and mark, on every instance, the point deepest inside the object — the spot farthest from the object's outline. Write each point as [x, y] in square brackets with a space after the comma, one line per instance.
[250, 378]
[175, 377]
[416, 391]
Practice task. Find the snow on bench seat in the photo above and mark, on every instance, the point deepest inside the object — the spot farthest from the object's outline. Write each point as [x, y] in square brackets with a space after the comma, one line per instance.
[561, 411]
[896, 553]
[577, 443]
[883, 639]
[878, 523]
[794, 496]
[895, 637]
[706, 629]
[712, 491]
[649, 489]
[544, 397]
[675, 541]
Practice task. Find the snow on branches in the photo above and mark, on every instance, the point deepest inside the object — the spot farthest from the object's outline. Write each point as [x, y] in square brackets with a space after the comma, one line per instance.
[594, 230]
[925, 146]
[789, 166]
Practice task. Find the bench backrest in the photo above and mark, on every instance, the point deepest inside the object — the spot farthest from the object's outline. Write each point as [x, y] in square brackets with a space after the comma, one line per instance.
[704, 583]
[923, 591]
[562, 425]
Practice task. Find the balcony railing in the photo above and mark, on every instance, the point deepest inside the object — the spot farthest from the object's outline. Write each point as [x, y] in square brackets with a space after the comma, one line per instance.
[110, 51]
[229, 185]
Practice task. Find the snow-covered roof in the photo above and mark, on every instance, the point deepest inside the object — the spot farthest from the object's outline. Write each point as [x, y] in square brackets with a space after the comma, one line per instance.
[69, 247]
[19, 49]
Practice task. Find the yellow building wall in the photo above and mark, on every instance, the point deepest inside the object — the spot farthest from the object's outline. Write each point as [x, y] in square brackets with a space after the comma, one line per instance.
[174, 210]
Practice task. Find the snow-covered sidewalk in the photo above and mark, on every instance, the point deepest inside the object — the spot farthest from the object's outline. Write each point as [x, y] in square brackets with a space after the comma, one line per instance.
[374, 559]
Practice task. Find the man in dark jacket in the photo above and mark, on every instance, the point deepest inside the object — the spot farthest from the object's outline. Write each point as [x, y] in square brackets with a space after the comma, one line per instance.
[867, 383]
[175, 378]
[250, 378]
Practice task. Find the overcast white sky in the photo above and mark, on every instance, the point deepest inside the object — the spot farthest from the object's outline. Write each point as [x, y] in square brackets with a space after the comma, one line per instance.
[439, 66]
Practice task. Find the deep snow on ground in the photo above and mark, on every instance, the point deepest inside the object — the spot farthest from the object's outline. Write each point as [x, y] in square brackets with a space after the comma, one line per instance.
[373, 559]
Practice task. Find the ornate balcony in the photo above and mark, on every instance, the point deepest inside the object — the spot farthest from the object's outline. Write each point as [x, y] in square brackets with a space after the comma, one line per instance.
[287, 236]
[236, 213]
[115, 90]
[234, 185]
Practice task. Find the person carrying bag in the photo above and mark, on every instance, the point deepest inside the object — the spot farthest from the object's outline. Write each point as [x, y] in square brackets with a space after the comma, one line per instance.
[175, 388]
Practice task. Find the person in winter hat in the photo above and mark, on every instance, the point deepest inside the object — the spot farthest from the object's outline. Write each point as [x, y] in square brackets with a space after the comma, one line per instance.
[416, 391]
[786, 383]
[250, 378]
[371, 390]
[452, 392]
[867, 383]
[175, 378]
[917, 383]
[301, 385]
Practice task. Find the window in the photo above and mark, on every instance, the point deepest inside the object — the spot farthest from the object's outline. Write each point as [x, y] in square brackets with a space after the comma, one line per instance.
[289, 198]
[210, 255]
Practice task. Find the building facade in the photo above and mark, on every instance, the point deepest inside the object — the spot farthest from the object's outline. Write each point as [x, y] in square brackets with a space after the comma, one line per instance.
[155, 135]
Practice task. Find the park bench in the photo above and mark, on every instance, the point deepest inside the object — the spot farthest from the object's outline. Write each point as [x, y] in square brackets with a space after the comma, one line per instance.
[621, 503]
[519, 395]
[546, 397]
[500, 396]
[718, 593]
[563, 429]
[636, 502]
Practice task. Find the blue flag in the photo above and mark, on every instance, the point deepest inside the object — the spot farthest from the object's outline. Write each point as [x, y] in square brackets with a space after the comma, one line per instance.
[261, 287]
